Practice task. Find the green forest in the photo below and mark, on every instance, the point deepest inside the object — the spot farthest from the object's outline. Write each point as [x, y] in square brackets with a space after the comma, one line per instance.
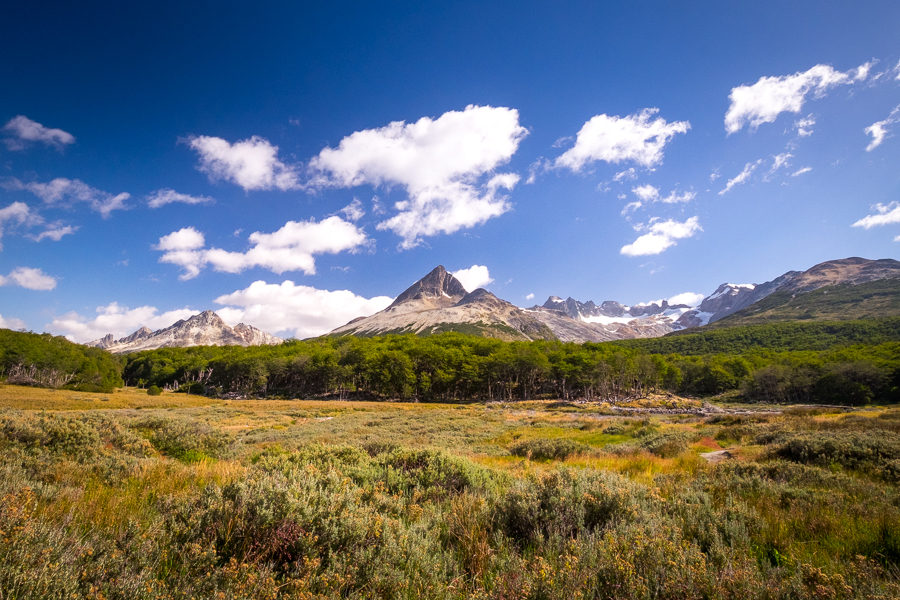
[853, 363]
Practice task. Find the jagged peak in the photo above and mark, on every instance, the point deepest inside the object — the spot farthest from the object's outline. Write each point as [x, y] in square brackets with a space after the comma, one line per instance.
[438, 283]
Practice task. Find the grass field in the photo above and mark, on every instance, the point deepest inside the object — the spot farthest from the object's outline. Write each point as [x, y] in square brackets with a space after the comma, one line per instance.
[125, 495]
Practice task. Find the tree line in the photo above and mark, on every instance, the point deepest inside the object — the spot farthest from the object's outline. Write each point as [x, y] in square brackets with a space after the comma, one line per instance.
[453, 367]
[52, 361]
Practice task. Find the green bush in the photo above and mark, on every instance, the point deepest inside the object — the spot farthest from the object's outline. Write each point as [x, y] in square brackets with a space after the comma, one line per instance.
[154, 390]
[547, 449]
[864, 451]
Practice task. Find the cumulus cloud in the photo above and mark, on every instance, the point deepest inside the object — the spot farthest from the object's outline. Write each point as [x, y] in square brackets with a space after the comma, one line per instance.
[11, 323]
[763, 101]
[741, 177]
[21, 130]
[70, 191]
[529, 296]
[474, 277]
[688, 298]
[297, 310]
[660, 236]
[28, 278]
[115, 319]
[444, 164]
[291, 248]
[169, 196]
[252, 163]
[17, 213]
[879, 129]
[885, 214]
[638, 138]
[647, 193]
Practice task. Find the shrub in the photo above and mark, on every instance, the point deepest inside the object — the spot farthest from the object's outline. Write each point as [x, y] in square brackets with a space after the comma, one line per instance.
[872, 452]
[547, 449]
[154, 390]
[184, 440]
[565, 503]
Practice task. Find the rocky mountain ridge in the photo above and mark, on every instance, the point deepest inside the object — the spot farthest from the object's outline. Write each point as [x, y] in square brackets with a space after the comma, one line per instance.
[438, 302]
[203, 329]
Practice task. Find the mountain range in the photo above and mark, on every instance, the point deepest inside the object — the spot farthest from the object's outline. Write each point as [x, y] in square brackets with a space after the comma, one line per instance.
[838, 289]
[438, 302]
[203, 329]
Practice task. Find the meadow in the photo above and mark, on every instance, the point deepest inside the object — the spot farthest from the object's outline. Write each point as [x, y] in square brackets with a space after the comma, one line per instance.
[125, 495]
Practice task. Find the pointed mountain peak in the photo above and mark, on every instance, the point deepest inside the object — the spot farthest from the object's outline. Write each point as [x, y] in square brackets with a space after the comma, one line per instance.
[437, 284]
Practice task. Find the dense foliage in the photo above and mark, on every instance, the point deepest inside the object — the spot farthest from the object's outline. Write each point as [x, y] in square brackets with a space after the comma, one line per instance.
[48, 361]
[178, 503]
[456, 367]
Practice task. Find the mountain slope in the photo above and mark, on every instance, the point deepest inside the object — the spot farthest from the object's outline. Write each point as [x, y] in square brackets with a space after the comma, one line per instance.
[204, 329]
[438, 302]
[854, 271]
[833, 302]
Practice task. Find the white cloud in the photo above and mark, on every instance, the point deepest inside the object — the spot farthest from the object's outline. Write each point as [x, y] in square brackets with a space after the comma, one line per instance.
[627, 174]
[885, 214]
[252, 163]
[804, 126]
[23, 130]
[647, 192]
[115, 319]
[616, 139]
[529, 296]
[186, 238]
[688, 298]
[661, 236]
[17, 213]
[538, 167]
[862, 71]
[650, 194]
[801, 171]
[11, 323]
[781, 160]
[631, 206]
[28, 278]
[62, 190]
[354, 211]
[741, 177]
[291, 248]
[879, 129]
[297, 310]
[168, 196]
[55, 232]
[474, 277]
[763, 101]
[440, 162]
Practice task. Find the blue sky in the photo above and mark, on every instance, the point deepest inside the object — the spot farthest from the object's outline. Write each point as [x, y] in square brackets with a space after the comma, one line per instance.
[295, 166]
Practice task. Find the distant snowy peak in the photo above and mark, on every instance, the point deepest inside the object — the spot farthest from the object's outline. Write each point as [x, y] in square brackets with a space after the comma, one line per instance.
[204, 329]
[610, 311]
